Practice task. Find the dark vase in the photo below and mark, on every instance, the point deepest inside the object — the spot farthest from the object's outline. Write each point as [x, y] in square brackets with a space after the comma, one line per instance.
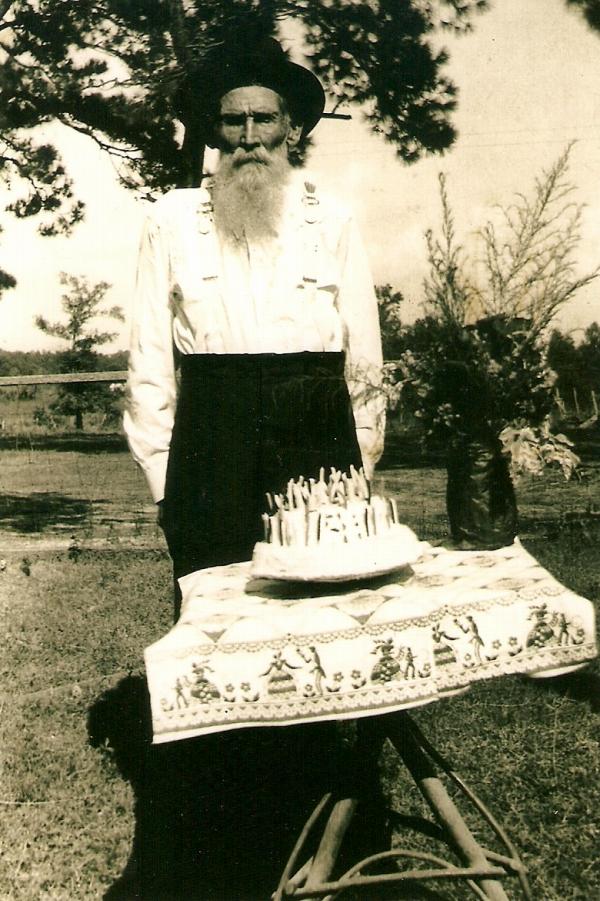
[480, 495]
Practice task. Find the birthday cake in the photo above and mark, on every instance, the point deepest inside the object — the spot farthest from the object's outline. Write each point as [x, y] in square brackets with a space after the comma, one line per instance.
[332, 530]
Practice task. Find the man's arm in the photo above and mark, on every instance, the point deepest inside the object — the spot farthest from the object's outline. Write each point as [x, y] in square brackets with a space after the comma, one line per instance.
[357, 304]
[151, 388]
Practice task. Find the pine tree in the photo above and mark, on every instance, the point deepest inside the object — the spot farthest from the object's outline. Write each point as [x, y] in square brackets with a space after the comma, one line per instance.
[109, 69]
[81, 303]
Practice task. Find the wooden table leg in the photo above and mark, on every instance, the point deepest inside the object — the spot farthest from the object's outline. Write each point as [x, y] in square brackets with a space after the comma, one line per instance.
[331, 842]
[442, 806]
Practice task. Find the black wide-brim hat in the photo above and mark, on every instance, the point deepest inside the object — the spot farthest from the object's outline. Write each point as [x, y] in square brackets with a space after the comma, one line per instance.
[244, 60]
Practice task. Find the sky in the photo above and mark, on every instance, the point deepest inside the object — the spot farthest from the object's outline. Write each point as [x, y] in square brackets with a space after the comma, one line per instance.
[529, 83]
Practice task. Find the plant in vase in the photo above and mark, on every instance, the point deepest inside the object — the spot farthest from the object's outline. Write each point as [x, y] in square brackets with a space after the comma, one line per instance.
[477, 378]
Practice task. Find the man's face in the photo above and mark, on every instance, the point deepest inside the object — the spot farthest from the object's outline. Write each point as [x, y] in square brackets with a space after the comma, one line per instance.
[253, 133]
[253, 120]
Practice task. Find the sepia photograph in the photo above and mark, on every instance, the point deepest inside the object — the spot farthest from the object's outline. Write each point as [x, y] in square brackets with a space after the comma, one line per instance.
[299, 450]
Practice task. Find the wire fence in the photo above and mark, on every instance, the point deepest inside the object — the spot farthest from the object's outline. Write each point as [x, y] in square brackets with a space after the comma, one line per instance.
[26, 401]
[62, 378]
[63, 487]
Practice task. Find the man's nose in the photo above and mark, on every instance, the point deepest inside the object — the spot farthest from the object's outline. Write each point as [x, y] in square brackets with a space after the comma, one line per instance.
[249, 136]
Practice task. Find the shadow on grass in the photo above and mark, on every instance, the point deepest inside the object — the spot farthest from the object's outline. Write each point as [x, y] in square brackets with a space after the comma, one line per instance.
[83, 442]
[405, 450]
[39, 510]
[583, 686]
[216, 817]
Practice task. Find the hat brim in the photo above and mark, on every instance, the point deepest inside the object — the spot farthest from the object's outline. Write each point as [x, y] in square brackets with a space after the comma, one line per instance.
[267, 66]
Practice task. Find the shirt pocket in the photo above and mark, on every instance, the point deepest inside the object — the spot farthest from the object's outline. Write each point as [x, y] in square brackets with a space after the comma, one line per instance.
[319, 286]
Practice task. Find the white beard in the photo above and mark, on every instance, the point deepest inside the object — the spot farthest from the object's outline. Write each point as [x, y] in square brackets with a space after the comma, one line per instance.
[248, 195]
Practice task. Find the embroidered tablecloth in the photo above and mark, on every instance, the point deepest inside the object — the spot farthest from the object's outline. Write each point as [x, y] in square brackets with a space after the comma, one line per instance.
[262, 653]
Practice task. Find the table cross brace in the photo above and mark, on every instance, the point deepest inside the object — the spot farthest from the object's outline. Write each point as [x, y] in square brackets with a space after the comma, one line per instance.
[483, 870]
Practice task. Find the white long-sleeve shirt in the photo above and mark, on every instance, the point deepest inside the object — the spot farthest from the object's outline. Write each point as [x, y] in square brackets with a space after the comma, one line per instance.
[308, 290]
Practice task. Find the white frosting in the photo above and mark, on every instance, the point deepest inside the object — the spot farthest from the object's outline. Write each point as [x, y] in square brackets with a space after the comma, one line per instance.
[337, 557]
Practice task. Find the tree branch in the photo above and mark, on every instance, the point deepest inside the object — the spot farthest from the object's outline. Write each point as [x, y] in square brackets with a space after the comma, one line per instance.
[5, 6]
[178, 34]
[89, 131]
[20, 166]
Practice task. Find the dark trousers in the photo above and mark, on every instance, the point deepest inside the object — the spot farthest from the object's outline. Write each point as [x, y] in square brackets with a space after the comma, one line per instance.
[245, 424]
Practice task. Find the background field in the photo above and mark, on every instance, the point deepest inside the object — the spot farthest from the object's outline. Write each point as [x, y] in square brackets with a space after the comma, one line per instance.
[85, 586]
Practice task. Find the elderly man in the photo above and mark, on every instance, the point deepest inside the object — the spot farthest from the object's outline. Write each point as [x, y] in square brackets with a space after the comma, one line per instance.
[256, 352]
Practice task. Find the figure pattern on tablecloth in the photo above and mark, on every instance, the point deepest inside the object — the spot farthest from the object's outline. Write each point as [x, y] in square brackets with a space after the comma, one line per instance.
[247, 653]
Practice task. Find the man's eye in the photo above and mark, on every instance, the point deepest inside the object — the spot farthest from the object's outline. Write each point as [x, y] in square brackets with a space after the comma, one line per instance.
[238, 121]
[232, 120]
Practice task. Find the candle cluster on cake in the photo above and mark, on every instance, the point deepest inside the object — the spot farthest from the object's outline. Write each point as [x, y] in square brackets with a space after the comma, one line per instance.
[331, 529]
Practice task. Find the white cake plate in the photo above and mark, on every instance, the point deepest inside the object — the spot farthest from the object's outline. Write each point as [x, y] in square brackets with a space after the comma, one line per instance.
[336, 566]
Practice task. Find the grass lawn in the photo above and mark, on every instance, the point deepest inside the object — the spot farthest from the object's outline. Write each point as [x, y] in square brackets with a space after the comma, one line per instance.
[74, 724]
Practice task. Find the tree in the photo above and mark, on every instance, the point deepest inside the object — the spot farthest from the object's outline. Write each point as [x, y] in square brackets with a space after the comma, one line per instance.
[588, 354]
[563, 359]
[577, 368]
[82, 305]
[527, 270]
[110, 69]
[389, 302]
[590, 10]
[480, 382]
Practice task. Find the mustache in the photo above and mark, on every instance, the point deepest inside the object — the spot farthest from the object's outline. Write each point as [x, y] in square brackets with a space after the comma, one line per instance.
[259, 155]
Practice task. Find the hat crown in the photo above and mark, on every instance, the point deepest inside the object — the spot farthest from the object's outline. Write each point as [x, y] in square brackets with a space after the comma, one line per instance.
[256, 60]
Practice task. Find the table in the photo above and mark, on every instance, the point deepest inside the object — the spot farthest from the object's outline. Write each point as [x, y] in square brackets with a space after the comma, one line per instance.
[259, 653]
[249, 652]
